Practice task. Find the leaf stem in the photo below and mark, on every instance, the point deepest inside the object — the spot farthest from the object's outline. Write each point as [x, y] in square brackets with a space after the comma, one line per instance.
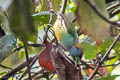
[27, 59]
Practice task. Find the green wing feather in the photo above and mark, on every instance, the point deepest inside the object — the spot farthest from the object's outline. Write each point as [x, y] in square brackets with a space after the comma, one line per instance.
[65, 31]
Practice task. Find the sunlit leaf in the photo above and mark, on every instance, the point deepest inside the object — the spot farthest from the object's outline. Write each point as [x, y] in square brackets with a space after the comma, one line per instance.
[71, 7]
[119, 16]
[110, 62]
[1, 73]
[109, 77]
[11, 61]
[115, 18]
[34, 50]
[105, 45]
[117, 49]
[43, 17]
[90, 51]
[22, 54]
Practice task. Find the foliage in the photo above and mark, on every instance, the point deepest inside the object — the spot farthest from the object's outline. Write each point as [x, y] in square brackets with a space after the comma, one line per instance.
[26, 21]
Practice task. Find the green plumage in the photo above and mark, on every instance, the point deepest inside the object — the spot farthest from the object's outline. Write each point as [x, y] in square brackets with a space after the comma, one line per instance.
[67, 37]
[65, 31]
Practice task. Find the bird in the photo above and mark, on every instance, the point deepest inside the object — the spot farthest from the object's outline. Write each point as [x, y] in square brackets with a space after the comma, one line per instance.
[67, 37]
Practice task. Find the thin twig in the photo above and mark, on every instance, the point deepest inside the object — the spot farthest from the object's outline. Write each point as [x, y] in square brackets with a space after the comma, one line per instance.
[32, 45]
[28, 62]
[74, 20]
[113, 6]
[52, 76]
[37, 73]
[5, 67]
[36, 45]
[117, 11]
[31, 64]
[51, 17]
[109, 65]
[87, 65]
[99, 14]
[50, 21]
[15, 70]
[39, 76]
[51, 11]
[64, 6]
[109, 1]
[104, 57]
[17, 49]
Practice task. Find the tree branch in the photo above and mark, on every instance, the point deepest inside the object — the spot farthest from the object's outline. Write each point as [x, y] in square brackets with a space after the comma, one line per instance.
[99, 14]
[87, 65]
[37, 73]
[5, 67]
[28, 62]
[15, 70]
[32, 45]
[64, 6]
[51, 11]
[104, 57]
[51, 17]
[31, 64]
[117, 11]
[113, 6]
[108, 1]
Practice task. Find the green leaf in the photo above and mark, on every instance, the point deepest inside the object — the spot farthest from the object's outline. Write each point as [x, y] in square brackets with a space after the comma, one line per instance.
[119, 16]
[90, 23]
[2, 73]
[109, 77]
[7, 43]
[90, 51]
[22, 54]
[110, 62]
[105, 45]
[43, 17]
[11, 61]
[117, 49]
[21, 23]
[5, 24]
[71, 7]
[34, 50]
[115, 18]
